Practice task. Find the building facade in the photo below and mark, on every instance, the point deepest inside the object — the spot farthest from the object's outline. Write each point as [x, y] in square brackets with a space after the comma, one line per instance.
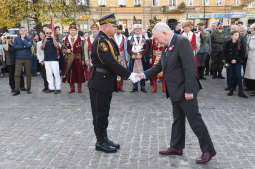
[171, 11]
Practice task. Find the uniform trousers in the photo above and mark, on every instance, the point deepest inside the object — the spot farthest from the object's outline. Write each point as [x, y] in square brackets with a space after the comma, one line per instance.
[217, 63]
[53, 75]
[189, 109]
[100, 105]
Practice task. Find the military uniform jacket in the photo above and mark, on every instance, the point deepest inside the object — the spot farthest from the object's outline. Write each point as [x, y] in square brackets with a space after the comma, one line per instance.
[104, 56]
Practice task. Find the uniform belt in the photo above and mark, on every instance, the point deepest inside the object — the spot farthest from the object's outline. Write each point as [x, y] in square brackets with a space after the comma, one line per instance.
[101, 70]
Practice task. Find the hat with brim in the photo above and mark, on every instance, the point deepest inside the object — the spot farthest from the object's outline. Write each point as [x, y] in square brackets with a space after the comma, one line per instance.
[137, 26]
[108, 19]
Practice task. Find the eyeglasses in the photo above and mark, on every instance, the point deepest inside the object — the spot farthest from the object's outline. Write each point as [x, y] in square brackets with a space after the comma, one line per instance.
[48, 33]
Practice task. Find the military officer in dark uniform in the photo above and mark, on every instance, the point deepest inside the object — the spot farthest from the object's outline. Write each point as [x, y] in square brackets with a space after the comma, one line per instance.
[103, 81]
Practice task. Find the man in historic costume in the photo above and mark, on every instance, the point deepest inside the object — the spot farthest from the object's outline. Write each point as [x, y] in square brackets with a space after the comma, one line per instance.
[204, 51]
[121, 42]
[193, 38]
[138, 46]
[103, 81]
[74, 59]
[94, 29]
[157, 50]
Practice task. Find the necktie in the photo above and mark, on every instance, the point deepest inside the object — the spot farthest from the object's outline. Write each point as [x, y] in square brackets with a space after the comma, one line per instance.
[72, 39]
[138, 38]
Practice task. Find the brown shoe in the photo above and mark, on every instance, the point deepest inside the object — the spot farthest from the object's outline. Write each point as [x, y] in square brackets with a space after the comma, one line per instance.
[171, 151]
[206, 157]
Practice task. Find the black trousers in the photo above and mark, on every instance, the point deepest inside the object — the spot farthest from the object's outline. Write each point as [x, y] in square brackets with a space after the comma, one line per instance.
[190, 110]
[11, 70]
[142, 84]
[100, 106]
[43, 75]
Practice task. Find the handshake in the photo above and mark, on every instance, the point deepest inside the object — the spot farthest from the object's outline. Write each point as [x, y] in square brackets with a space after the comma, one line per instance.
[136, 77]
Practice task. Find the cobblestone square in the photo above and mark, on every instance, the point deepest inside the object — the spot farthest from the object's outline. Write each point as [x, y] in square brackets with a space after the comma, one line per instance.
[48, 131]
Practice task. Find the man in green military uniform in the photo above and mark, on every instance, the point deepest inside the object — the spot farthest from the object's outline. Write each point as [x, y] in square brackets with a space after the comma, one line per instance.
[217, 56]
[103, 80]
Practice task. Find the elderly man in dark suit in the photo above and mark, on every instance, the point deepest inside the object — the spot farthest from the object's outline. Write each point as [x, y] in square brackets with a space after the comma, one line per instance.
[178, 65]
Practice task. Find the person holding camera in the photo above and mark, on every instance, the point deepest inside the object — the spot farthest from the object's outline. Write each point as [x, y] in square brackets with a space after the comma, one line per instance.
[9, 58]
[233, 52]
[22, 45]
[50, 46]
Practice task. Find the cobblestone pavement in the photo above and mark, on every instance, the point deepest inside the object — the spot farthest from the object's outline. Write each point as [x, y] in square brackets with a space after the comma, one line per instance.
[47, 131]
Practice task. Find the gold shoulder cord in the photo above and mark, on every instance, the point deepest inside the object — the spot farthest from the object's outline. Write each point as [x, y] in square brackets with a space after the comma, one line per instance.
[99, 57]
[111, 49]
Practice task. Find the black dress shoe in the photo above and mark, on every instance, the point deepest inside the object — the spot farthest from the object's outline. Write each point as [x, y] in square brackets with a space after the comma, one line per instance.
[202, 78]
[214, 77]
[57, 91]
[111, 143]
[16, 93]
[241, 94]
[23, 89]
[221, 77]
[105, 147]
[49, 91]
[13, 91]
[134, 90]
[29, 92]
[45, 89]
[143, 90]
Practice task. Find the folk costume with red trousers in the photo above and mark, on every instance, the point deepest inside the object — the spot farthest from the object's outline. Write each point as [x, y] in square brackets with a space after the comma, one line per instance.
[73, 68]
[157, 50]
[120, 41]
[193, 40]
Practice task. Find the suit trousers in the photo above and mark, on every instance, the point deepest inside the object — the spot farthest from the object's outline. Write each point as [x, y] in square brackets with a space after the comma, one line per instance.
[43, 75]
[53, 75]
[18, 70]
[100, 106]
[189, 109]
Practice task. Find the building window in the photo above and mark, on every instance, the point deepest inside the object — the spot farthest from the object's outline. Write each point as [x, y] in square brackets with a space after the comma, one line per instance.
[219, 2]
[122, 2]
[83, 2]
[189, 2]
[155, 2]
[102, 2]
[137, 2]
[207, 2]
[172, 3]
[237, 2]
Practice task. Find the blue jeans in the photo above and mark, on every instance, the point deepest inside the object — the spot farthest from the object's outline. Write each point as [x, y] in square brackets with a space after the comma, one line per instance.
[34, 65]
[235, 76]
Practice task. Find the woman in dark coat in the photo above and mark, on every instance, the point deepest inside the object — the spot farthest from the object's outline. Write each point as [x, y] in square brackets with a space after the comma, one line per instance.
[233, 52]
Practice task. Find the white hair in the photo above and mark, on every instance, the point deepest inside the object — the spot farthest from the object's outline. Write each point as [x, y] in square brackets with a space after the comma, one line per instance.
[252, 26]
[243, 27]
[159, 27]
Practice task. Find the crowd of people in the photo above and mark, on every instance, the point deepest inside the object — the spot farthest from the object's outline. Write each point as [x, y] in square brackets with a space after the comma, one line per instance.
[66, 58]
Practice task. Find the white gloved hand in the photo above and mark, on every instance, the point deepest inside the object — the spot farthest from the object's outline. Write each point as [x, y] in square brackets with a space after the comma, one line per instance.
[134, 78]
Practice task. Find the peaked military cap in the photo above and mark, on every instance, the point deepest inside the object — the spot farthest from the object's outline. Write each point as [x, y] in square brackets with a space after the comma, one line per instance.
[108, 19]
